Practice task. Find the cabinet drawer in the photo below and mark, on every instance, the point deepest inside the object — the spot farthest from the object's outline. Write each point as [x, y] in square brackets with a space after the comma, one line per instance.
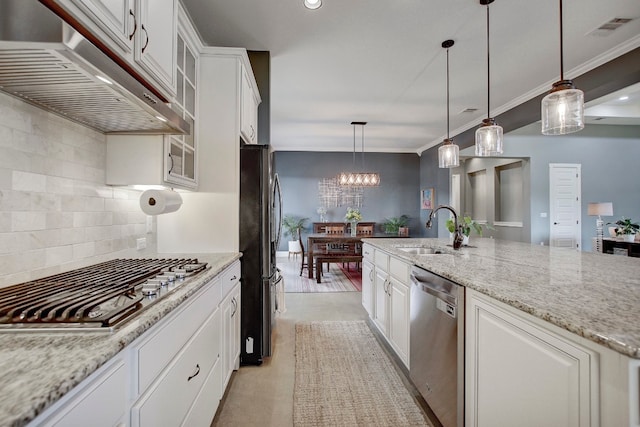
[164, 342]
[230, 277]
[168, 401]
[381, 260]
[101, 403]
[367, 252]
[399, 269]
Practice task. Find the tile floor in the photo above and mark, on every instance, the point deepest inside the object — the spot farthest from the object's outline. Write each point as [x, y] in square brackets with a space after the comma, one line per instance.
[263, 395]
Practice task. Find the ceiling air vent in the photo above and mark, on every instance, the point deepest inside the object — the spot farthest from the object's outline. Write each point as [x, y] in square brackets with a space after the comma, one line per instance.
[609, 27]
[469, 110]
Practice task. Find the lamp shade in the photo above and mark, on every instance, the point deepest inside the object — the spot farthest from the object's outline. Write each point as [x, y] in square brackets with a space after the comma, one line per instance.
[489, 139]
[563, 111]
[600, 209]
[448, 155]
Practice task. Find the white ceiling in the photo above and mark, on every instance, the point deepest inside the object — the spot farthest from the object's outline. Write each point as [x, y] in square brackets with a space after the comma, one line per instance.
[381, 61]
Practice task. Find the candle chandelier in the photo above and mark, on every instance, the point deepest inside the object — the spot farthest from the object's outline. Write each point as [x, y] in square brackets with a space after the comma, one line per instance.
[358, 179]
[489, 136]
[448, 153]
[563, 107]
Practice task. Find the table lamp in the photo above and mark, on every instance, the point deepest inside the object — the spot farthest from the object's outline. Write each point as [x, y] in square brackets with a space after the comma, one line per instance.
[599, 209]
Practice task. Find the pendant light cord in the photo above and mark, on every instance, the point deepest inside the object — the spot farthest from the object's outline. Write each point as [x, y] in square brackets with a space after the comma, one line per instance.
[362, 148]
[354, 147]
[488, 70]
[448, 93]
[561, 46]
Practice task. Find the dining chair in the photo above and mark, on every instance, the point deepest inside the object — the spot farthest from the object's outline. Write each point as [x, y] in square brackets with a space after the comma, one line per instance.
[364, 229]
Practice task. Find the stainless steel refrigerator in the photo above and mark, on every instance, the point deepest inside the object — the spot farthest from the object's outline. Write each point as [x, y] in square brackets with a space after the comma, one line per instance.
[260, 226]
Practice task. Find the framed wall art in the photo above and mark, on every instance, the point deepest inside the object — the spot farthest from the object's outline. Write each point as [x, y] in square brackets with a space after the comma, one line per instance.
[427, 198]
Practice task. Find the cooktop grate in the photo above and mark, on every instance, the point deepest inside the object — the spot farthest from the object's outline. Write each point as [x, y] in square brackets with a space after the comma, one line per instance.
[100, 295]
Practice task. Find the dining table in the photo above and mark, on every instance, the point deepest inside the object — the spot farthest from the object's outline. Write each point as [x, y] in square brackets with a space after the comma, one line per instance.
[316, 239]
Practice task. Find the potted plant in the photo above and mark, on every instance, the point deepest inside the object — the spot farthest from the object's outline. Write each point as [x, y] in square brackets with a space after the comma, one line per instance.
[626, 229]
[394, 224]
[466, 226]
[292, 226]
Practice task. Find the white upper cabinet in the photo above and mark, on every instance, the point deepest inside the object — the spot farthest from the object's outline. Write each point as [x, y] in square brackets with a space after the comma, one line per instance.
[169, 160]
[140, 32]
[155, 46]
[249, 110]
[115, 17]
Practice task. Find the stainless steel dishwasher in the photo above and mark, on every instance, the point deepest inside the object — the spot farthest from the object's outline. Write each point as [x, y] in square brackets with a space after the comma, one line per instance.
[437, 344]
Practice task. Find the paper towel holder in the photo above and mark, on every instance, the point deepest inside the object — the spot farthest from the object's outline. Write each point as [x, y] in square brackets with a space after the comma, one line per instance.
[157, 202]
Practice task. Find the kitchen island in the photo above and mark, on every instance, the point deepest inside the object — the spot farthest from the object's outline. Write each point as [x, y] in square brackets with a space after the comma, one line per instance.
[39, 368]
[578, 309]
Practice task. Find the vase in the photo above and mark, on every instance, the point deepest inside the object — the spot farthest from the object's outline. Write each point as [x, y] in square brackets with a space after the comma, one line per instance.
[354, 227]
[465, 240]
[629, 237]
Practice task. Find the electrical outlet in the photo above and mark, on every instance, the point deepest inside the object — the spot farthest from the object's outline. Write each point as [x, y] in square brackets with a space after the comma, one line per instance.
[141, 243]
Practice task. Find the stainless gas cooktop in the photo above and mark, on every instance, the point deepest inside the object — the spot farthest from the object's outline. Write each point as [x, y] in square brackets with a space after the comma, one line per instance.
[99, 297]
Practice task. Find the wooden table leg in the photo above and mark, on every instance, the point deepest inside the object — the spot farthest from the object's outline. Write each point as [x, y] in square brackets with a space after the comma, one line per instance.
[310, 260]
[318, 271]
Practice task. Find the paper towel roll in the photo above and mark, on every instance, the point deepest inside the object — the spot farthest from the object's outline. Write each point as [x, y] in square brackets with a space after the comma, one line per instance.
[156, 202]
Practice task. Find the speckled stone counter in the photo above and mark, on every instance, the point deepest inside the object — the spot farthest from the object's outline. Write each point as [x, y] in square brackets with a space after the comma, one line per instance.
[596, 296]
[37, 369]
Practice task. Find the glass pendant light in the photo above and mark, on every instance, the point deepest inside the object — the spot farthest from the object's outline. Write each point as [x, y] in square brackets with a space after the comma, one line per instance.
[563, 107]
[358, 179]
[448, 153]
[489, 134]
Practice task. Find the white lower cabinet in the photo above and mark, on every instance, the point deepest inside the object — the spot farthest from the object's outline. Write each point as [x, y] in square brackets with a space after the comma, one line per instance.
[367, 286]
[98, 401]
[169, 398]
[390, 299]
[172, 375]
[399, 318]
[231, 334]
[381, 299]
[518, 373]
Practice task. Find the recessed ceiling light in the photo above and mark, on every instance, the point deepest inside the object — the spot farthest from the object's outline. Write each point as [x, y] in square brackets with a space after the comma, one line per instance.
[104, 79]
[623, 98]
[312, 4]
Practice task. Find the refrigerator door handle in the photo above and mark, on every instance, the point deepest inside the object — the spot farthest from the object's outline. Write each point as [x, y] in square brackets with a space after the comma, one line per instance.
[277, 189]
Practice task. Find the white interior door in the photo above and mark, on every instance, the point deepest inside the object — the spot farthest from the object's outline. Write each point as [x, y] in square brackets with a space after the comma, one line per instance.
[564, 205]
[455, 192]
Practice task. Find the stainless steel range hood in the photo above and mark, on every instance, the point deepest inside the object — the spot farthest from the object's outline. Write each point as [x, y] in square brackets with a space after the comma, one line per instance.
[47, 63]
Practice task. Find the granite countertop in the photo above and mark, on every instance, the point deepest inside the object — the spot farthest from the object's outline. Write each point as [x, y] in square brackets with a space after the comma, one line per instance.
[593, 295]
[38, 368]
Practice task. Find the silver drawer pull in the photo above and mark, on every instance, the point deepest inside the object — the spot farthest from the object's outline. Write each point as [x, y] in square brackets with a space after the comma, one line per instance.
[196, 373]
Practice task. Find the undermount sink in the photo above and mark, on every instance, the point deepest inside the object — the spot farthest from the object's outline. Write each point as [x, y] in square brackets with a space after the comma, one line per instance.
[421, 251]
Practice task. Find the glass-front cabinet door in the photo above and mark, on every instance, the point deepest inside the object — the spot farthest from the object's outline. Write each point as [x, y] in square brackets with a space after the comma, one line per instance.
[181, 149]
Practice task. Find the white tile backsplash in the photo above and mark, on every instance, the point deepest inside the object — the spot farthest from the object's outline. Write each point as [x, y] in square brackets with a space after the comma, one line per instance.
[56, 213]
[25, 181]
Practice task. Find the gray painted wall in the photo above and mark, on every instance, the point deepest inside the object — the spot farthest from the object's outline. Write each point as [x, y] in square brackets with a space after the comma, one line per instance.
[610, 157]
[398, 193]
[516, 208]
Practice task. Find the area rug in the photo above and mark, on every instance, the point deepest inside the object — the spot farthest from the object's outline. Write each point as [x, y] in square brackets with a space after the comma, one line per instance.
[344, 378]
[333, 280]
[354, 275]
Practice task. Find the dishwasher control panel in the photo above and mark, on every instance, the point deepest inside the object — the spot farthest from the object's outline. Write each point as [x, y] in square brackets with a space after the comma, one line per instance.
[446, 308]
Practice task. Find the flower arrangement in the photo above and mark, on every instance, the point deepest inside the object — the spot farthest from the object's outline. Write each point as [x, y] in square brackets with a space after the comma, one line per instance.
[353, 215]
